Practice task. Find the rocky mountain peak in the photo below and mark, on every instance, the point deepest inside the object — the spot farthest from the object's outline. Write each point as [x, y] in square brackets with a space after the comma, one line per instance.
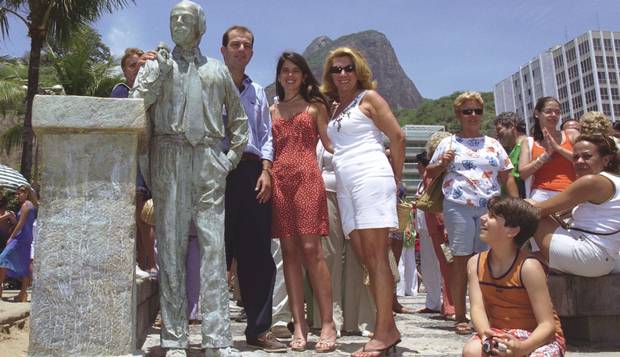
[393, 84]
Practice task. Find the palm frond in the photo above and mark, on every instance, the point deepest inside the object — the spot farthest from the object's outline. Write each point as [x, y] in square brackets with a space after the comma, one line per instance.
[12, 138]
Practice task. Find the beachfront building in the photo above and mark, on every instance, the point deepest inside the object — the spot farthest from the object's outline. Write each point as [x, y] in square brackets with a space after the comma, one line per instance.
[582, 73]
[416, 135]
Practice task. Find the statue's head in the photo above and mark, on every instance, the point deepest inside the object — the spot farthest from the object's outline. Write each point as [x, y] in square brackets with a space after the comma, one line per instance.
[187, 24]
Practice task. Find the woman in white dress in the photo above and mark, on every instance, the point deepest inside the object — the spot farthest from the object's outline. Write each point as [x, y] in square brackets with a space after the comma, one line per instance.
[366, 182]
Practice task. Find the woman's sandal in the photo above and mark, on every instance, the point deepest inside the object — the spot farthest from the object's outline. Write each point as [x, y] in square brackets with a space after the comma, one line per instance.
[463, 328]
[298, 344]
[329, 345]
[381, 351]
[402, 310]
[426, 310]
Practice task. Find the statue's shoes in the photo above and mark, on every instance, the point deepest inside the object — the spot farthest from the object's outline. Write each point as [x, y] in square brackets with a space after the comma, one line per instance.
[222, 352]
[176, 352]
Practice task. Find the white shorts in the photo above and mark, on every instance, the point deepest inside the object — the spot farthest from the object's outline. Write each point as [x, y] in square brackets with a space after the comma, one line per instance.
[367, 203]
[540, 195]
[572, 252]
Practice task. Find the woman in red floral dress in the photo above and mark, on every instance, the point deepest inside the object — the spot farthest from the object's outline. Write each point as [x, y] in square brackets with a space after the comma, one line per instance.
[299, 198]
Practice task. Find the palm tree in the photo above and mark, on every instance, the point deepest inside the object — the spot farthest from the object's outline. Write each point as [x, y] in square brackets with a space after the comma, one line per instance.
[82, 64]
[43, 18]
[12, 94]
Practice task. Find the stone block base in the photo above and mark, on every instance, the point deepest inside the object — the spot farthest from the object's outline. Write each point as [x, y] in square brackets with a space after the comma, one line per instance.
[602, 330]
[147, 291]
[589, 308]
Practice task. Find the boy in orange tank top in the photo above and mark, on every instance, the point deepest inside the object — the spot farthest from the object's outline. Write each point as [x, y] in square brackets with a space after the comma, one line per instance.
[511, 309]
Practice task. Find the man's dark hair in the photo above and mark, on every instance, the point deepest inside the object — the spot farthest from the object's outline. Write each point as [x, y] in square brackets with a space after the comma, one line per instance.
[517, 213]
[563, 125]
[507, 119]
[226, 36]
[521, 127]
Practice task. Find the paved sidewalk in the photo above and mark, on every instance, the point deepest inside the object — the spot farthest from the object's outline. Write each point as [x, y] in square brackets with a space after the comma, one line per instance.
[422, 335]
[13, 311]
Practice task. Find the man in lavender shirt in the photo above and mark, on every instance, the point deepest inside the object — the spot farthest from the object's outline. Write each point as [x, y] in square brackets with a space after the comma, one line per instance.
[248, 194]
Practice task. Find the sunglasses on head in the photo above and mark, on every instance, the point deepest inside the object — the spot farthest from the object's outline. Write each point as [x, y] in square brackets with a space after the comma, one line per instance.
[472, 111]
[337, 69]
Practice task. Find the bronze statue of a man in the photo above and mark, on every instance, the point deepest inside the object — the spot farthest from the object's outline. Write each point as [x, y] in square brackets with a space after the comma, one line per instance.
[185, 94]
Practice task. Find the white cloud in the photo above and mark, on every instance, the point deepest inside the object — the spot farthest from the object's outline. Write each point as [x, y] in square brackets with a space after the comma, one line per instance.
[119, 37]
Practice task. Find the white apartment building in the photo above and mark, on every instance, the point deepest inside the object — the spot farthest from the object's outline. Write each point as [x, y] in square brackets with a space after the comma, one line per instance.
[582, 74]
[416, 135]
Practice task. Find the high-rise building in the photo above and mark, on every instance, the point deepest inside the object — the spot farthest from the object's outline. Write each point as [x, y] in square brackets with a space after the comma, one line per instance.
[416, 135]
[582, 74]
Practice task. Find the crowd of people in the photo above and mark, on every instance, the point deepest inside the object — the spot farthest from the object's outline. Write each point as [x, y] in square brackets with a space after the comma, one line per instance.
[276, 189]
[305, 185]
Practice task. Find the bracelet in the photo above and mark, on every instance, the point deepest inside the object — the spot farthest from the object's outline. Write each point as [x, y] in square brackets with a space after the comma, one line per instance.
[268, 170]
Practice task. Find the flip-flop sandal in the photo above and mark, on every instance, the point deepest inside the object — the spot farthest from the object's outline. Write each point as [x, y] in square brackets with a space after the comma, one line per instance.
[329, 345]
[298, 344]
[391, 349]
[403, 310]
[449, 317]
[426, 310]
[463, 328]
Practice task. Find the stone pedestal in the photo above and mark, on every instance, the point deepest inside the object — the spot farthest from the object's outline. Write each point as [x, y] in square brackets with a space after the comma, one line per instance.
[147, 307]
[588, 307]
[84, 300]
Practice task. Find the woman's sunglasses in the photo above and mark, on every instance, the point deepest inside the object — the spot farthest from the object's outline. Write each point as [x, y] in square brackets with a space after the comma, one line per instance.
[472, 111]
[337, 69]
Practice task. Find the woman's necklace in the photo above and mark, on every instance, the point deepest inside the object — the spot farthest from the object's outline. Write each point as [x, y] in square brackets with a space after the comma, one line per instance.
[345, 112]
[291, 99]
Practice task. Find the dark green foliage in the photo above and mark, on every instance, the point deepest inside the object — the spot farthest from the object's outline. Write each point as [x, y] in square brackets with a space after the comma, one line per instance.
[82, 63]
[440, 112]
[11, 138]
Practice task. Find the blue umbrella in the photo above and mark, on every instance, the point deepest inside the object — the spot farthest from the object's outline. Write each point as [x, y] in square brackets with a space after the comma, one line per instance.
[10, 178]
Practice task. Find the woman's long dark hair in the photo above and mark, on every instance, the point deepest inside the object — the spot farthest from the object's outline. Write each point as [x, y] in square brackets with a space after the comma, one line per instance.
[540, 105]
[309, 89]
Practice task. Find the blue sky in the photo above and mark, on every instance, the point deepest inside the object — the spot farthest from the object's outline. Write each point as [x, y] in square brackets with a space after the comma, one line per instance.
[443, 46]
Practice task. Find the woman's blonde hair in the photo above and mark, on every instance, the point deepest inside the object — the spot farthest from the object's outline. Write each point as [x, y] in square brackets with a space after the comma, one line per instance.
[595, 122]
[463, 97]
[433, 142]
[362, 71]
[32, 196]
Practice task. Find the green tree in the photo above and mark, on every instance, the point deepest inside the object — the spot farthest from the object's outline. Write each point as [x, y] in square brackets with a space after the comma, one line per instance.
[12, 94]
[13, 80]
[56, 19]
[440, 112]
[82, 63]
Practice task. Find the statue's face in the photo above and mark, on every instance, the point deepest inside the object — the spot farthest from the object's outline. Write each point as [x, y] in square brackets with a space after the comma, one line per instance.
[184, 26]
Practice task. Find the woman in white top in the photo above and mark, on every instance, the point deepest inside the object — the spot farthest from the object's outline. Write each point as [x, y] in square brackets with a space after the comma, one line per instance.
[475, 167]
[354, 310]
[589, 245]
[366, 181]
